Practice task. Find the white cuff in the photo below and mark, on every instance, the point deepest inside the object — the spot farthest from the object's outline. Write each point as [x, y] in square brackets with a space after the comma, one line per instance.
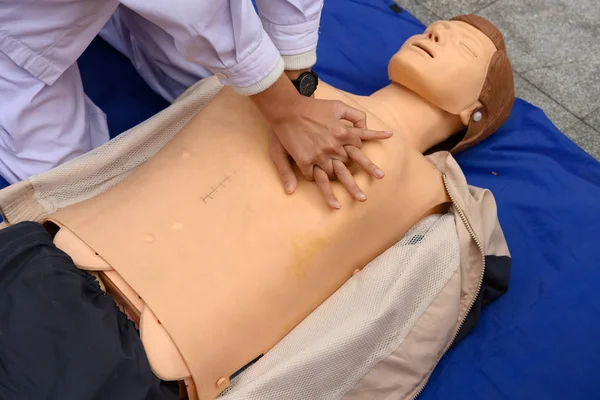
[300, 61]
[264, 83]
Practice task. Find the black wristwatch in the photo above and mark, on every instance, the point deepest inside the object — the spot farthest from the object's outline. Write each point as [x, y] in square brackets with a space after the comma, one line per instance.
[307, 83]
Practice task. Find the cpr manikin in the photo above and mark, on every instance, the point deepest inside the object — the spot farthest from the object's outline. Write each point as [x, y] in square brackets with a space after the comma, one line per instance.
[219, 263]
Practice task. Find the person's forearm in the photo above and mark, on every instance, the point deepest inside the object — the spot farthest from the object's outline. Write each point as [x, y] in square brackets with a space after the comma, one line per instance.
[276, 101]
[227, 37]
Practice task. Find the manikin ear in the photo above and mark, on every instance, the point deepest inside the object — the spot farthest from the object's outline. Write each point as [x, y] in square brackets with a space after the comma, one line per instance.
[467, 114]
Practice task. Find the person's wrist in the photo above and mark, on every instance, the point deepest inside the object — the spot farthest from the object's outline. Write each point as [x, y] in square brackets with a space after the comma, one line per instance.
[277, 101]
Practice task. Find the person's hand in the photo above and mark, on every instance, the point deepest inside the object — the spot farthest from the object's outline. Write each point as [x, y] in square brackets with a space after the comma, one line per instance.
[281, 158]
[321, 144]
[313, 133]
[345, 177]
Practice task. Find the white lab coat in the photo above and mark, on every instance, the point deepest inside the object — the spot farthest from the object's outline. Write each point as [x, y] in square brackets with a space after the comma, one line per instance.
[46, 119]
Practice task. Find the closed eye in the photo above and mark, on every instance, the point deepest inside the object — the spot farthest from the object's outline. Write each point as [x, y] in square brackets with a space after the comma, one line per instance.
[464, 46]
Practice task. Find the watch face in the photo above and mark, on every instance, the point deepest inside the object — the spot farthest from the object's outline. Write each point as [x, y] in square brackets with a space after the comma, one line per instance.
[307, 84]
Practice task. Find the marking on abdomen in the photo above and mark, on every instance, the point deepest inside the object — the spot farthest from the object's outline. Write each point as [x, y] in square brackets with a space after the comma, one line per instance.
[215, 189]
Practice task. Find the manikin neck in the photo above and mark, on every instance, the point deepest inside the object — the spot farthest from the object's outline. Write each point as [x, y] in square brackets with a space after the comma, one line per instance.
[424, 124]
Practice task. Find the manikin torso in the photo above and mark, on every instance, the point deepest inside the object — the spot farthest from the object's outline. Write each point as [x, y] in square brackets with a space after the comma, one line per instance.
[207, 217]
[225, 259]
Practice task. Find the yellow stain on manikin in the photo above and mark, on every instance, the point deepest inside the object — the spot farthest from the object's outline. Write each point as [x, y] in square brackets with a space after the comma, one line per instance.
[304, 250]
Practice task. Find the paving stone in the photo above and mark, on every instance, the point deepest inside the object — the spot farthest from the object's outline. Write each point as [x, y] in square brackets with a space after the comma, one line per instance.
[559, 116]
[418, 10]
[586, 138]
[575, 85]
[450, 8]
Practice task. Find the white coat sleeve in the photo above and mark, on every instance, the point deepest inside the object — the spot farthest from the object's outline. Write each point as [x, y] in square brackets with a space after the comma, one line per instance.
[293, 25]
[225, 36]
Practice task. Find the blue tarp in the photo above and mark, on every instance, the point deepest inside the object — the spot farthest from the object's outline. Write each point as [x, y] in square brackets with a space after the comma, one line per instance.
[540, 340]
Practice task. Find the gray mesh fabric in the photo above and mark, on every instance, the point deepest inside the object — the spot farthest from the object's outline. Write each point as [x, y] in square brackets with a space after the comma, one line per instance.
[360, 324]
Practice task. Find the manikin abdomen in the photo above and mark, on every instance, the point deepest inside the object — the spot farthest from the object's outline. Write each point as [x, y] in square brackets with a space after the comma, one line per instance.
[217, 252]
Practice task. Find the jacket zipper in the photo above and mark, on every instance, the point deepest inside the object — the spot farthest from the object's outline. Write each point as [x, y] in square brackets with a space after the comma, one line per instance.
[470, 230]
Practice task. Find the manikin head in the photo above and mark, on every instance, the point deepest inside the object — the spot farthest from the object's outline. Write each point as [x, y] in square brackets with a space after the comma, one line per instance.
[461, 67]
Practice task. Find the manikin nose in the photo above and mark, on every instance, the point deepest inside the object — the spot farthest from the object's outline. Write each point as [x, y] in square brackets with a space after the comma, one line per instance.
[434, 36]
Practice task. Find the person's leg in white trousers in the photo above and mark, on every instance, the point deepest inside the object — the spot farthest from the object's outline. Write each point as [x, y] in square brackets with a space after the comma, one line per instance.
[42, 126]
[152, 52]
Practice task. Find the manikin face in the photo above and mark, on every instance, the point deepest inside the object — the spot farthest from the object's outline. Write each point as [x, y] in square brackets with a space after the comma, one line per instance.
[446, 65]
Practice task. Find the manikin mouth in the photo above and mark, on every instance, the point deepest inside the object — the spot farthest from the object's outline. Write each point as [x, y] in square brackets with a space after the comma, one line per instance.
[420, 46]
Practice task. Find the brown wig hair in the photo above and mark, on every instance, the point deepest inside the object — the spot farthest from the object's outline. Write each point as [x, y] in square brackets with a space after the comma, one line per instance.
[497, 94]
